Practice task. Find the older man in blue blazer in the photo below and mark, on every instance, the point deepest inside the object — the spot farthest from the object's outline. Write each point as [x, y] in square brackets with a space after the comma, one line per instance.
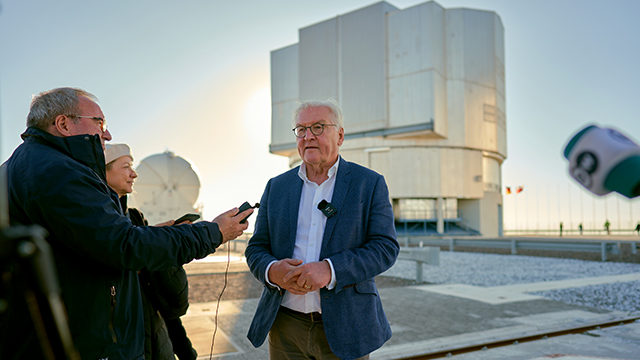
[324, 231]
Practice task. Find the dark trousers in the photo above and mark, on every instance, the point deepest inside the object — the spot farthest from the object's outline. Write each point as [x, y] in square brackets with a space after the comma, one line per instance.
[297, 336]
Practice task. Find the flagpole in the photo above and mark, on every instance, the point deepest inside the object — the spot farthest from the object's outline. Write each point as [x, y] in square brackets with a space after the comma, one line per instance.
[569, 194]
[559, 216]
[606, 210]
[618, 206]
[631, 215]
[526, 210]
[538, 208]
[548, 206]
[593, 197]
[581, 209]
[515, 196]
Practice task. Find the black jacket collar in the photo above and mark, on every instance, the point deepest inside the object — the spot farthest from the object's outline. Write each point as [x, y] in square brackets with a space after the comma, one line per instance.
[86, 149]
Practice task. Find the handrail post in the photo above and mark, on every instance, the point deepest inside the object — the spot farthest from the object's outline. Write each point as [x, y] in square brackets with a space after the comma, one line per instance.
[419, 272]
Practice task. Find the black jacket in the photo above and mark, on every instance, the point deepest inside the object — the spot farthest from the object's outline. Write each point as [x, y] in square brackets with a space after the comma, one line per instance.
[59, 183]
[165, 297]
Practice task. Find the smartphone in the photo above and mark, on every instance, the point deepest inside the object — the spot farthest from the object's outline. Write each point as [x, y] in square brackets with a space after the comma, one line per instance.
[244, 207]
[189, 217]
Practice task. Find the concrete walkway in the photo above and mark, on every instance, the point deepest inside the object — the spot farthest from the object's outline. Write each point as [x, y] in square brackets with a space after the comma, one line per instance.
[438, 317]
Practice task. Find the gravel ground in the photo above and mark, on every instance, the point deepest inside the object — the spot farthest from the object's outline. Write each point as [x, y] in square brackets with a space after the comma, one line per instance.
[622, 296]
[496, 270]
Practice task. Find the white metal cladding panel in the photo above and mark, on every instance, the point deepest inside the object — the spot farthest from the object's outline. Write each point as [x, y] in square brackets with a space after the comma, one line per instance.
[281, 118]
[454, 43]
[363, 80]
[498, 31]
[501, 122]
[357, 156]
[479, 47]
[379, 162]
[452, 171]
[416, 40]
[411, 99]
[480, 117]
[284, 93]
[500, 86]
[284, 74]
[318, 66]
[410, 172]
[441, 117]
[461, 173]
[473, 103]
[418, 172]
[456, 112]
[472, 169]
[490, 127]
[502, 125]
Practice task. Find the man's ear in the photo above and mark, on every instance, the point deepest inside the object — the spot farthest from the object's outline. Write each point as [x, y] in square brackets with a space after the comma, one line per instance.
[340, 136]
[61, 125]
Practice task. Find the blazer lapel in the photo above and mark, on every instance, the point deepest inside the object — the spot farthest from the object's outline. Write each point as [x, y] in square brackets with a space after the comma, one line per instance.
[340, 190]
[293, 205]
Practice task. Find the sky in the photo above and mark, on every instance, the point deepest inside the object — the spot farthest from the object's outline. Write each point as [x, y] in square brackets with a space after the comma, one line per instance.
[193, 77]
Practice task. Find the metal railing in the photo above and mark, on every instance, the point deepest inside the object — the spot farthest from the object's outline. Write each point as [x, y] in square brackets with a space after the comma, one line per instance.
[603, 246]
[237, 245]
[572, 232]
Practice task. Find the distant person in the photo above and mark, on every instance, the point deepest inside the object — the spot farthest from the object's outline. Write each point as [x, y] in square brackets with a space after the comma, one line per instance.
[56, 179]
[638, 228]
[165, 293]
[560, 228]
[324, 230]
[580, 228]
[606, 226]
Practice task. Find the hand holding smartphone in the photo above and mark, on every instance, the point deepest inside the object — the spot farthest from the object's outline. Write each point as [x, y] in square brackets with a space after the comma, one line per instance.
[187, 217]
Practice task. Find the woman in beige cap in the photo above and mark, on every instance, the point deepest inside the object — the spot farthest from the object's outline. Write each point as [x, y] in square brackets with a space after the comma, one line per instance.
[165, 295]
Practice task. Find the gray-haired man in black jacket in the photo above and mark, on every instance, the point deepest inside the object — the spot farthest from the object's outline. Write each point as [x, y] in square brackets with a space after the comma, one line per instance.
[56, 179]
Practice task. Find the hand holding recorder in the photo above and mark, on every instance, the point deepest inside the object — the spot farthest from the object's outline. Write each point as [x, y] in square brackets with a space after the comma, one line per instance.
[234, 222]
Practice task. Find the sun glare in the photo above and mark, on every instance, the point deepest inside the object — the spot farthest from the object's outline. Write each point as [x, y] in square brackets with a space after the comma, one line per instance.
[257, 116]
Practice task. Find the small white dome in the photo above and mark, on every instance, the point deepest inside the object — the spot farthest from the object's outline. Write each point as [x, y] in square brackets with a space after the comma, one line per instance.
[167, 187]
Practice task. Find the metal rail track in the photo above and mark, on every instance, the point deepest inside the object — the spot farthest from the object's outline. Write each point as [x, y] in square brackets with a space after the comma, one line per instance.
[517, 340]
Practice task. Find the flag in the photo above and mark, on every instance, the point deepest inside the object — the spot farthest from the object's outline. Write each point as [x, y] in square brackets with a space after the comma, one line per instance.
[508, 190]
[519, 190]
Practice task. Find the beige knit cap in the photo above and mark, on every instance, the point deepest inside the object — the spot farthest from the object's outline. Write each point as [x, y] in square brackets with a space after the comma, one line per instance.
[115, 151]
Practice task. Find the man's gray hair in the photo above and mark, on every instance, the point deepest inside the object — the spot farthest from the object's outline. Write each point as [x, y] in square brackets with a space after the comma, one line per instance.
[330, 104]
[47, 105]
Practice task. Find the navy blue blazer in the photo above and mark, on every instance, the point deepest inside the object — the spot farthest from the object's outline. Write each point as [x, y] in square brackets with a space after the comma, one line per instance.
[361, 242]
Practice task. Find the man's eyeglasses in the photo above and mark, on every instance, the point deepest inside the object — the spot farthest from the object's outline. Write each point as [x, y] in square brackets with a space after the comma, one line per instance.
[102, 121]
[316, 129]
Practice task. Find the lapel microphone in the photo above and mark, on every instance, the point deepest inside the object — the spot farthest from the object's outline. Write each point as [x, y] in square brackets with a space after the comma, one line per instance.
[327, 209]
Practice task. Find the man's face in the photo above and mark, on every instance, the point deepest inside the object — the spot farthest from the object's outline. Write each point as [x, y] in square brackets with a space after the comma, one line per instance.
[319, 150]
[121, 175]
[87, 107]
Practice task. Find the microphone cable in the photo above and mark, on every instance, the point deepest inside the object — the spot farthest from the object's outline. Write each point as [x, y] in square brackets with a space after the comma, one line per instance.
[215, 321]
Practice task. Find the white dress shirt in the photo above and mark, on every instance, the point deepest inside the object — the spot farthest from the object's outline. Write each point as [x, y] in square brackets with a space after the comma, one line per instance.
[311, 224]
